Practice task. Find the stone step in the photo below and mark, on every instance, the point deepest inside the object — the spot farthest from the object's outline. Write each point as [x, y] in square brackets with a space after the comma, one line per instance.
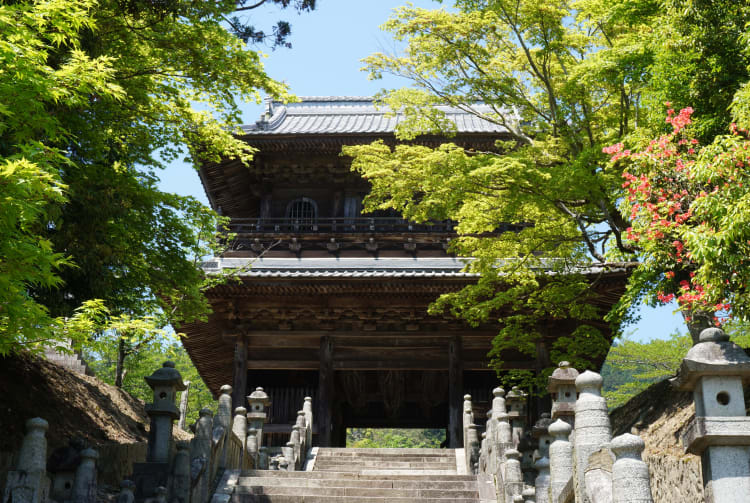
[322, 464]
[344, 451]
[359, 492]
[369, 475]
[407, 459]
[266, 498]
[385, 483]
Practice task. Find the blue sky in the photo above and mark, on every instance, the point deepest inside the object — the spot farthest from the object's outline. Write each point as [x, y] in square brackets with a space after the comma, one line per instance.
[327, 46]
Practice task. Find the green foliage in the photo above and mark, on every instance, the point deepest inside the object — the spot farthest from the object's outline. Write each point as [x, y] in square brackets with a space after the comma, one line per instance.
[565, 79]
[103, 361]
[390, 437]
[633, 366]
[562, 79]
[91, 90]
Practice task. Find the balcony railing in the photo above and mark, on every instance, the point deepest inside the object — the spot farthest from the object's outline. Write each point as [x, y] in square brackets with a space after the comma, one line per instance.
[336, 225]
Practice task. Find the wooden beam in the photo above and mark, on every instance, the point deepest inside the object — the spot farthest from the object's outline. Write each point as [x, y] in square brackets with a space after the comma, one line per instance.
[325, 392]
[239, 373]
[455, 399]
[400, 364]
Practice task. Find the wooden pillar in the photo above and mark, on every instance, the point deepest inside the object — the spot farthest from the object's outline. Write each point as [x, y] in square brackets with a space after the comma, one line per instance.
[543, 402]
[325, 392]
[455, 394]
[239, 373]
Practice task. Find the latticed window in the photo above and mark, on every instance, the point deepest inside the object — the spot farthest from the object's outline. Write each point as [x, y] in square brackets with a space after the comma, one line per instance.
[302, 211]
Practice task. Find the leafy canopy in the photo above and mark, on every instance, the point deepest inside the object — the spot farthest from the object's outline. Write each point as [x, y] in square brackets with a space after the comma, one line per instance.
[97, 96]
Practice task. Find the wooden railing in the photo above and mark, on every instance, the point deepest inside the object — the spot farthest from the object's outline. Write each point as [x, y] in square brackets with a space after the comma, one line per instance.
[336, 225]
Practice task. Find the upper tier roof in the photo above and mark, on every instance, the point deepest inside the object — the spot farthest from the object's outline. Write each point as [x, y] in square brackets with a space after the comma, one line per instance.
[352, 115]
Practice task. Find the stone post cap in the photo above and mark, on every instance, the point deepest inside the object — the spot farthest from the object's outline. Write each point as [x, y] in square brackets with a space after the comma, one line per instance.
[36, 423]
[89, 454]
[513, 454]
[240, 411]
[251, 432]
[300, 412]
[627, 445]
[205, 412]
[488, 415]
[127, 485]
[503, 416]
[517, 498]
[714, 355]
[167, 375]
[542, 463]
[298, 427]
[562, 375]
[290, 444]
[560, 429]
[498, 392]
[590, 382]
[226, 390]
[484, 434]
[259, 396]
[467, 397]
[529, 491]
[472, 426]
[308, 399]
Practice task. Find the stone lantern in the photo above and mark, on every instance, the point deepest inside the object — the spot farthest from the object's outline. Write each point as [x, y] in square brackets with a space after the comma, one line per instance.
[562, 389]
[165, 382]
[515, 403]
[258, 408]
[715, 370]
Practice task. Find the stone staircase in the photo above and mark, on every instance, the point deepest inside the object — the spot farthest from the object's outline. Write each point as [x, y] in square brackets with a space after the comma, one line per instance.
[364, 476]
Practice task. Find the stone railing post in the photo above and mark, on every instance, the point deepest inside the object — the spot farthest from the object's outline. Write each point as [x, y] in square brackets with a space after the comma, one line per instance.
[200, 456]
[29, 482]
[513, 476]
[472, 449]
[224, 419]
[288, 452]
[467, 418]
[484, 453]
[181, 474]
[258, 403]
[304, 445]
[542, 481]
[308, 409]
[592, 428]
[239, 428]
[529, 495]
[714, 370]
[488, 441]
[630, 477]
[560, 458]
[562, 388]
[504, 443]
[296, 442]
[84, 486]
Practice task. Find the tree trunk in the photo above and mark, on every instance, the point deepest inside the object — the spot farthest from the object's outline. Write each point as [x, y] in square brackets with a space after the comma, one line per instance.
[120, 367]
[696, 322]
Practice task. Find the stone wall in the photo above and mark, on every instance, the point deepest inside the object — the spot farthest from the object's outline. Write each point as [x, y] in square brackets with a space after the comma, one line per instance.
[659, 415]
[116, 461]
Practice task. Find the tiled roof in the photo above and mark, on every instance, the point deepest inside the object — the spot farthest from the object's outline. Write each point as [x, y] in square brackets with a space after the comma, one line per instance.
[352, 115]
[331, 267]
